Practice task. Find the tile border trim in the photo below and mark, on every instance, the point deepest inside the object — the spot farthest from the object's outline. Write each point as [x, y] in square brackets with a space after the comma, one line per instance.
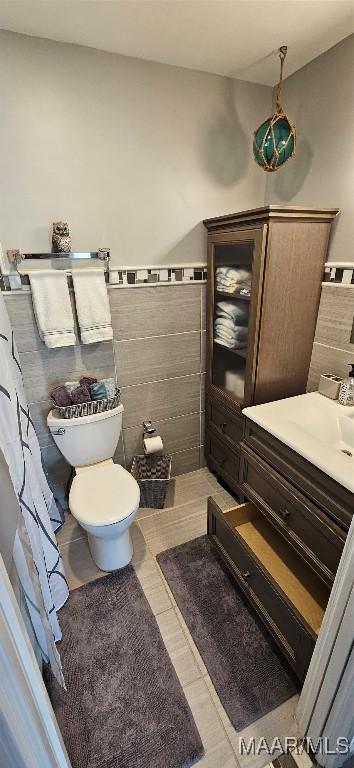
[339, 274]
[164, 275]
[127, 277]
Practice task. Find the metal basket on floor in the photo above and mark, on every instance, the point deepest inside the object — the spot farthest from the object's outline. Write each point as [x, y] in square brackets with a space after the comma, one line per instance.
[87, 409]
[152, 473]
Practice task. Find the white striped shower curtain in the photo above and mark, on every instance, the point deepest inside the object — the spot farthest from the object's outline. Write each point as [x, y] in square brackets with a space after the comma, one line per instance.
[36, 553]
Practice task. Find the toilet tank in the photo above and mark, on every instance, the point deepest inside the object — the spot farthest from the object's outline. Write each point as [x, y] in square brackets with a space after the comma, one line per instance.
[87, 439]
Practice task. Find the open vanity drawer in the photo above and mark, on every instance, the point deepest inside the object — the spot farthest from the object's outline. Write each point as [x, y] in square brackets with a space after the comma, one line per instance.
[313, 534]
[288, 595]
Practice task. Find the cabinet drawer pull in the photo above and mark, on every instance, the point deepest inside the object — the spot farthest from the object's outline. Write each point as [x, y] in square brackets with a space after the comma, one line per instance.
[222, 461]
[284, 513]
[223, 426]
[246, 575]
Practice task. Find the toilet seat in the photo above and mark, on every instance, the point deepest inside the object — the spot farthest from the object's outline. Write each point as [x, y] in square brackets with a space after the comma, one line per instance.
[103, 495]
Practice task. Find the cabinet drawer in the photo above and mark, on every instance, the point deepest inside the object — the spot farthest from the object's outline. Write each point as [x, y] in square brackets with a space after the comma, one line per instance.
[289, 597]
[230, 426]
[223, 460]
[318, 540]
[335, 501]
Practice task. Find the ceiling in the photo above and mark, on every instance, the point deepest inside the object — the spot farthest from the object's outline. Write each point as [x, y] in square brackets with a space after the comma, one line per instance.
[236, 38]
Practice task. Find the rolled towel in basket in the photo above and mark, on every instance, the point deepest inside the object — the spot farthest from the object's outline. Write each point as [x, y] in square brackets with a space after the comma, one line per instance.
[87, 381]
[104, 389]
[61, 396]
[99, 391]
[70, 385]
[110, 385]
[81, 394]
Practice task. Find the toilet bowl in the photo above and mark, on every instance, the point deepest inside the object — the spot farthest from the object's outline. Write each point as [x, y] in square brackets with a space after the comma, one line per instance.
[104, 498]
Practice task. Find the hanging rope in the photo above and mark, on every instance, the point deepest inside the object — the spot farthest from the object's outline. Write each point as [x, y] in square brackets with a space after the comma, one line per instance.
[282, 54]
[275, 139]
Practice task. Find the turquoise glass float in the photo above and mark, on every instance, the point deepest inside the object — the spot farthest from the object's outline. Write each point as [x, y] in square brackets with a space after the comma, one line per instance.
[274, 142]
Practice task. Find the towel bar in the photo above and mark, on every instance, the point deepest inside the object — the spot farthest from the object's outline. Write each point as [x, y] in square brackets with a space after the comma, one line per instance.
[15, 256]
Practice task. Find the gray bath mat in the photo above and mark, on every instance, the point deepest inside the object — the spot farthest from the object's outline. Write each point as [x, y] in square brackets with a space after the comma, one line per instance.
[248, 673]
[124, 705]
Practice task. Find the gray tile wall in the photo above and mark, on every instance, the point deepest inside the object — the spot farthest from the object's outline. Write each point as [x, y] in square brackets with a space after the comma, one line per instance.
[160, 363]
[333, 347]
[159, 360]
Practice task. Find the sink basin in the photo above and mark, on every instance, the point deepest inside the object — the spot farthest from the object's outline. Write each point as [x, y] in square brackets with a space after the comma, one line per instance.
[319, 429]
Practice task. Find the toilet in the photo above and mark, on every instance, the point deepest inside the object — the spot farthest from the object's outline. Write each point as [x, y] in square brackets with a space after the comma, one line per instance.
[104, 498]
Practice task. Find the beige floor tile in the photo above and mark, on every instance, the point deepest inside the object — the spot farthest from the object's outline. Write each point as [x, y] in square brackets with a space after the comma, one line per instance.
[186, 488]
[225, 500]
[302, 759]
[153, 586]
[178, 648]
[78, 564]
[182, 490]
[147, 512]
[218, 751]
[170, 594]
[278, 723]
[175, 526]
[70, 531]
[140, 549]
[212, 480]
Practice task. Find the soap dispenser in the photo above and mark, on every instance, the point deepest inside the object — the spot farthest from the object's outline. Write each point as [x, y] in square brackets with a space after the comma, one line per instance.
[346, 393]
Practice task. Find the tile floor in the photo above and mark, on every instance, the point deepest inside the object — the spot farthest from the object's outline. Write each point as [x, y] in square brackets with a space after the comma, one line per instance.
[155, 530]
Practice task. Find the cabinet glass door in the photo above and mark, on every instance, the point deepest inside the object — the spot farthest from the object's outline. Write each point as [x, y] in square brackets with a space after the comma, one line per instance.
[232, 323]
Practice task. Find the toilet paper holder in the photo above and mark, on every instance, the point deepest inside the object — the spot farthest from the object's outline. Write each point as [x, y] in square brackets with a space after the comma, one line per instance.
[148, 429]
[152, 442]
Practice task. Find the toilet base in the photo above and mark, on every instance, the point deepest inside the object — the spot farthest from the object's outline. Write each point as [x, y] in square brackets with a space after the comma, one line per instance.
[110, 554]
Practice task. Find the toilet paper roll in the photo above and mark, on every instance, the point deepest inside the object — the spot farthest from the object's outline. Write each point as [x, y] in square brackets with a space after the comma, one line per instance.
[153, 444]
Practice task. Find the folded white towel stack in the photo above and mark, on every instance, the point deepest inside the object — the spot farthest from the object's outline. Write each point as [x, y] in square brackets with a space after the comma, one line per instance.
[233, 280]
[230, 326]
[52, 307]
[92, 305]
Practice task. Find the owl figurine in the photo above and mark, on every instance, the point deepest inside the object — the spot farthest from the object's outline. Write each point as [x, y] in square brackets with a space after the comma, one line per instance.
[61, 240]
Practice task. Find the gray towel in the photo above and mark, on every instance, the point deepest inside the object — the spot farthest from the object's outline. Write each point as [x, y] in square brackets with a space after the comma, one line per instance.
[86, 381]
[81, 394]
[61, 396]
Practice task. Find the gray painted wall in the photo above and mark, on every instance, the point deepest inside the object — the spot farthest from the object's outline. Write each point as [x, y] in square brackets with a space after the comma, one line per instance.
[319, 99]
[133, 154]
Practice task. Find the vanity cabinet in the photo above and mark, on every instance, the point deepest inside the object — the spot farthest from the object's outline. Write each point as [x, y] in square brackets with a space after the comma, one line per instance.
[283, 545]
[279, 253]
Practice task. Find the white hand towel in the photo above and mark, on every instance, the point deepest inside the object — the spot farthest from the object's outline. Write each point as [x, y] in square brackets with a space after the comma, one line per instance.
[52, 307]
[92, 305]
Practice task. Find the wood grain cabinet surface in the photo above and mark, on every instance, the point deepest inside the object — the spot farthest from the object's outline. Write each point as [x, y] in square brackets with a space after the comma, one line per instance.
[284, 251]
[284, 543]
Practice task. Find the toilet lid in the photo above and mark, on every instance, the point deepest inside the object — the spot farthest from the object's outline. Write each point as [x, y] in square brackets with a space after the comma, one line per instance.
[103, 495]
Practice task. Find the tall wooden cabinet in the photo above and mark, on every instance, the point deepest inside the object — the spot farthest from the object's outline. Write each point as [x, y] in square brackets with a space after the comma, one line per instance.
[265, 270]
